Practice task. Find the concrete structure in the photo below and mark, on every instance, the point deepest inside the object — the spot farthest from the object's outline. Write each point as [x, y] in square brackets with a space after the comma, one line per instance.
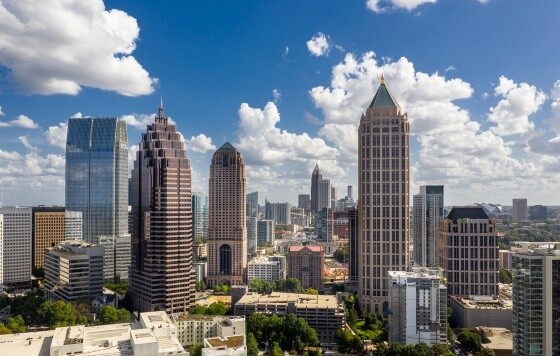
[193, 329]
[468, 251]
[252, 240]
[427, 211]
[200, 216]
[281, 213]
[340, 224]
[538, 212]
[48, 231]
[200, 250]
[154, 335]
[325, 195]
[117, 257]
[16, 246]
[301, 217]
[268, 268]
[519, 210]
[307, 264]
[324, 313]
[225, 346]
[227, 229]
[505, 258]
[499, 340]
[27, 344]
[73, 225]
[265, 232]
[470, 312]
[97, 182]
[316, 178]
[253, 204]
[162, 274]
[324, 224]
[418, 306]
[304, 201]
[1, 252]
[536, 301]
[74, 271]
[383, 198]
[353, 221]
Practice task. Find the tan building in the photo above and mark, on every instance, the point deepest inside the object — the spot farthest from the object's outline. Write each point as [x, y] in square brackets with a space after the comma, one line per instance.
[468, 252]
[193, 329]
[383, 204]
[477, 311]
[307, 263]
[227, 229]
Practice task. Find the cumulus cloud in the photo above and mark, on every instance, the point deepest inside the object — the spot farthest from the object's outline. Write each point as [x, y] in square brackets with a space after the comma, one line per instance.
[139, 121]
[554, 121]
[409, 5]
[21, 121]
[26, 144]
[56, 135]
[319, 45]
[511, 114]
[200, 143]
[58, 47]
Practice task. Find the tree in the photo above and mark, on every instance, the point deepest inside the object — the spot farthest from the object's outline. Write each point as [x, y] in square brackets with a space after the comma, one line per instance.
[470, 340]
[196, 350]
[200, 286]
[83, 309]
[4, 330]
[341, 255]
[217, 308]
[222, 288]
[16, 324]
[275, 350]
[28, 306]
[252, 346]
[120, 288]
[505, 276]
[485, 352]
[312, 291]
[57, 314]
[111, 315]
[347, 341]
[197, 309]
[4, 301]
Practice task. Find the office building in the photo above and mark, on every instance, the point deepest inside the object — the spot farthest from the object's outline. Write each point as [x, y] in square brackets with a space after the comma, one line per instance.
[17, 246]
[325, 195]
[265, 232]
[307, 263]
[74, 271]
[301, 217]
[340, 224]
[538, 212]
[162, 274]
[117, 256]
[519, 211]
[418, 306]
[251, 235]
[201, 270]
[268, 268]
[1, 252]
[350, 193]
[427, 211]
[316, 178]
[227, 230]
[304, 201]
[47, 231]
[97, 179]
[536, 301]
[474, 311]
[199, 216]
[281, 213]
[468, 252]
[73, 225]
[353, 255]
[324, 224]
[194, 329]
[383, 198]
[253, 204]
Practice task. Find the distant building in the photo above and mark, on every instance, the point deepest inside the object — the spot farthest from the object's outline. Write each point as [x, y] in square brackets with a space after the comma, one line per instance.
[193, 329]
[1, 252]
[307, 263]
[48, 231]
[340, 224]
[16, 246]
[225, 346]
[301, 217]
[73, 225]
[418, 306]
[304, 201]
[117, 257]
[538, 212]
[268, 268]
[353, 247]
[102, 301]
[505, 258]
[74, 271]
[474, 311]
[468, 251]
[281, 213]
[519, 211]
[200, 216]
[253, 204]
[201, 270]
[265, 232]
[325, 195]
[316, 178]
[427, 211]
[252, 241]
[324, 224]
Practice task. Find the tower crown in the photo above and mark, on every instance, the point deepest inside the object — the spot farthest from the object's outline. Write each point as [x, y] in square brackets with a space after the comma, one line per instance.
[383, 98]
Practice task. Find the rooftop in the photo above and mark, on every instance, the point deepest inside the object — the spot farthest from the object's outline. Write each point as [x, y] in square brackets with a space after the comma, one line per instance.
[301, 300]
[313, 248]
[496, 338]
[383, 98]
[466, 212]
[234, 341]
[27, 344]
[475, 302]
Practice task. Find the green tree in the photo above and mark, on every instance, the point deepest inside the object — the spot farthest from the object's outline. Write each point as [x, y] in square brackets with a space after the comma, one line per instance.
[111, 315]
[252, 346]
[298, 344]
[38, 272]
[200, 286]
[57, 313]
[16, 324]
[28, 306]
[120, 288]
[197, 309]
[441, 350]
[83, 309]
[505, 276]
[347, 342]
[485, 352]
[195, 350]
[4, 301]
[341, 255]
[217, 308]
[290, 285]
[4, 329]
[312, 291]
[470, 340]
[275, 350]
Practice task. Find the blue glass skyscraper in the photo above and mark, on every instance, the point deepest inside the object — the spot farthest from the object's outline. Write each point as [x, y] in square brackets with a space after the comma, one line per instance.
[97, 185]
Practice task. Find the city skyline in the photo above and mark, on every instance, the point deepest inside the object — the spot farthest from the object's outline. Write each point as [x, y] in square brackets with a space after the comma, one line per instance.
[482, 124]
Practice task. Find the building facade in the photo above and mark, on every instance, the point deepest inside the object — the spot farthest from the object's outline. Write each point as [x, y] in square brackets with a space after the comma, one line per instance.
[324, 224]
[316, 178]
[268, 268]
[427, 211]
[48, 231]
[519, 210]
[265, 232]
[251, 235]
[468, 252]
[17, 246]
[325, 195]
[538, 212]
[383, 198]
[307, 263]
[281, 213]
[418, 306]
[227, 230]
[253, 204]
[353, 256]
[97, 179]
[73, 225]
[162, 274]
[304, 201]
[200, 216]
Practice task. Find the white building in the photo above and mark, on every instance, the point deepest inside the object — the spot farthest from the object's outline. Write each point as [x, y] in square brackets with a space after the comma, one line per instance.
[16, 245]
[73, 225]
[201, 270]
[193, 329]
[225, 346]
[1, 252]
[417, 306]
[268, 268]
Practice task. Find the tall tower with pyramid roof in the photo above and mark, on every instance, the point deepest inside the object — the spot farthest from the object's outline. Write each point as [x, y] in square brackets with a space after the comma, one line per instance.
[383, 206]
[316, 178]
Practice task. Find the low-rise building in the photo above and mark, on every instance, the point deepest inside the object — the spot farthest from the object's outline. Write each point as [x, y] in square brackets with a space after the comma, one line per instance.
[499, 340]
[477, 311]
[268, 268]
[225, 346]
[193, 329]
[307, 264]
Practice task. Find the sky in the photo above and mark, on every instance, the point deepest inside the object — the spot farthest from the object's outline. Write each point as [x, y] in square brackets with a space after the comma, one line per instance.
[286, 83]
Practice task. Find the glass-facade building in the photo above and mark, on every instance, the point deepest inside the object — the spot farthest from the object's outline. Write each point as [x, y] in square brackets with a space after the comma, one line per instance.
[427, 211]
[200, 216]
[97, 184]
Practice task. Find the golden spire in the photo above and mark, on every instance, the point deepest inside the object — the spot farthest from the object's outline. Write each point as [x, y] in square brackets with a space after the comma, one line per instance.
[382, 78]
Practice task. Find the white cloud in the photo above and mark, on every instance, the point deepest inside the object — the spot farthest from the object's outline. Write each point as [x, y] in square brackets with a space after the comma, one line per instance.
[132, 156]
[319, 45]
[10, 156]
[21, 121]
[200, 143]
[511, 114]
[1, 112]
[56, 135]
[554, 121]
[139, 121]
[450, 68]
[276, 95]
[56, 46]
[77, 115]
[380, 6]
[29, 146]
[286, 51]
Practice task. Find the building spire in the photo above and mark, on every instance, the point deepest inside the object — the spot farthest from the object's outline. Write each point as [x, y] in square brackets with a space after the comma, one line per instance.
[160, 112]
[382, 78]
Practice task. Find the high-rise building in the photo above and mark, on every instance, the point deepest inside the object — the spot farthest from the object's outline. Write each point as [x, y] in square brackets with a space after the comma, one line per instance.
[253, 204]
[162, 275]
[200, 216]
[353, 255]
[325, 195]
[74, 271]
[468, 252]
[324, 224]
[519, 211]
[97, 180]
[333, 198]
[538, 212]
[418, 306]
[1, 251]
[265, 232]
[383, 198]
[350, 195]
[304, 201]
[281, 213]
[307, 264]
[536, 301]
[17, 246]
[252, 235]
[227, 230]
[73, 225]
[427, 211]
[316, 178]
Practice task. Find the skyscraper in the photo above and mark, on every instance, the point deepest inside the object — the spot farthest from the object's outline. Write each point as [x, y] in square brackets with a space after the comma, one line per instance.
[353, 223]
[427, 212]
[281, 213]
[383, 194]
[97, 182]
[227, 230]
[325, 195]
[200, 215]
[253, 204]
[519, 211]
[316, 178]
[304, 201]
[16, 247]
[251, 235]
[162, 275]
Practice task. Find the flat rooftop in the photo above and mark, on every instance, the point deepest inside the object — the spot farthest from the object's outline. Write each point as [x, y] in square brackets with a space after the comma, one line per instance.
[500, 338]
[468, 303]
[231, 342]
[300, 300]
[27, 344]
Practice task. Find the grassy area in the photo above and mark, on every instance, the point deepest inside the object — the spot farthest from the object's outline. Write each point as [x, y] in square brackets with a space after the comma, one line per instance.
[370, 332]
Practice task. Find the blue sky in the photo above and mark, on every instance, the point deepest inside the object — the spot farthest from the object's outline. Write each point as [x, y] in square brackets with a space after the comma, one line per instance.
[286, 82]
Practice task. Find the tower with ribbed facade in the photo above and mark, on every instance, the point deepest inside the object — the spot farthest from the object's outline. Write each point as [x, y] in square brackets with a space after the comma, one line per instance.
[227, 231]
[383, 207]
[162, 275]
[316, 178]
